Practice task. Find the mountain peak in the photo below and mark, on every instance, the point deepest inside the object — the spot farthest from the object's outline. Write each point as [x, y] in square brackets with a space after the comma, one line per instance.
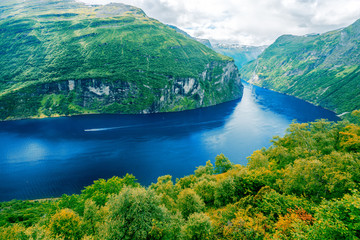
[356, 25]
[117, 9]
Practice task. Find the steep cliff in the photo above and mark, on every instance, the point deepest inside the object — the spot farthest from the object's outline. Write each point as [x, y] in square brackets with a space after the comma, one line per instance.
[65, 58]
[84, 96]
[321, 68]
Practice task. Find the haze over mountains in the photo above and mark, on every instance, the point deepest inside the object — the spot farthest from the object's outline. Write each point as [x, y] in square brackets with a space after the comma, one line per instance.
[242, 54]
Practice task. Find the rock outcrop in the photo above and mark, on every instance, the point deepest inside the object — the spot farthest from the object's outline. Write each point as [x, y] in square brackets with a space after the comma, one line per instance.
[103, 96]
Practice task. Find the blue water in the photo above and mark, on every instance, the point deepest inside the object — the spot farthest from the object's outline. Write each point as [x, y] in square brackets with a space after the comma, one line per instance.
[50, 157]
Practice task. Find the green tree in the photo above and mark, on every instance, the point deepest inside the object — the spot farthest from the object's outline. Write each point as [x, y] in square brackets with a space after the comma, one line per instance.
[189, 202]
[186, 182]
[319, 177]
[133, 213]
[222, 164]
[170, 228]
[258, 160]
[198, 227]
[250, 182]
[354, 117]
[225, 191]
[273, 204]
[337, 219]
[166, 190]
[246, 227]
[350, 138]
[206, 190]
[101, 189]
[39, 232]
[74, 202]
[66, 224]
[13, 232]
[208, 169]
[325, 136]
[91, 217]
[304, 177]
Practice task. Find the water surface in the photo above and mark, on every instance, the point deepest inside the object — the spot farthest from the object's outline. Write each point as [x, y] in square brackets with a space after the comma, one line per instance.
[50, 157]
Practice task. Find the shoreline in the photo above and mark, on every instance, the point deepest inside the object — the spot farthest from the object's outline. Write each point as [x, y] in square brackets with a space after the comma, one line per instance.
[317, 105]
[114, 114]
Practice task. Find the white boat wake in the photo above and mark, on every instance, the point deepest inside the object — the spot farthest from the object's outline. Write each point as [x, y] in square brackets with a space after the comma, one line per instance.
[101, 129]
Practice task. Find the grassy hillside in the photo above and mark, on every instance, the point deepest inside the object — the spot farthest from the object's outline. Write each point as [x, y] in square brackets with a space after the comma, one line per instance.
[305, 186]
[47, 41]
[322, 69]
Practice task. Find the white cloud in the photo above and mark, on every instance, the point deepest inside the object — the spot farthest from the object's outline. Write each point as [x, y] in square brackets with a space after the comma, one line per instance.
[253, 22]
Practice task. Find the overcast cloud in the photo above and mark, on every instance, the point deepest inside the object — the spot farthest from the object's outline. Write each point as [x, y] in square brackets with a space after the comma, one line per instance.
[250, 22]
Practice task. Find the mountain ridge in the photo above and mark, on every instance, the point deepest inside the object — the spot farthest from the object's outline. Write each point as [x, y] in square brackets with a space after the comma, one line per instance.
[66, 58]
[322, 69]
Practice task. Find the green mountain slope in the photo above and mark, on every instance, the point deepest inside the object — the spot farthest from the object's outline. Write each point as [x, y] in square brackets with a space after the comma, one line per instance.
[63, 58]
[322, 69]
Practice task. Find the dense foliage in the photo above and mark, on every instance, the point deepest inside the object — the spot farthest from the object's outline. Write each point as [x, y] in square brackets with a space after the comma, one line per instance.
[322, 69]
[305, 186]
[64, 57]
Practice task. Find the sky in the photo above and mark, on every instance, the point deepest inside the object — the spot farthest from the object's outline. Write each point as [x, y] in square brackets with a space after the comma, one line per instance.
[248, 22]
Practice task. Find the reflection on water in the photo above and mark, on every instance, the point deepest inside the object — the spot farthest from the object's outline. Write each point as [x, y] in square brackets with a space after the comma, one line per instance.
[49, 157]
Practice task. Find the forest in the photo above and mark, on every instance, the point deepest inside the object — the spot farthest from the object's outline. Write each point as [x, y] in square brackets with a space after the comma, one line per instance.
[304, 186]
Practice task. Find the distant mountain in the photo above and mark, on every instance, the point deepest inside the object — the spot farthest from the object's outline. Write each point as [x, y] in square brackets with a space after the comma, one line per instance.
[323, 69]
[206, 42]
[242, 54]
[60, 57]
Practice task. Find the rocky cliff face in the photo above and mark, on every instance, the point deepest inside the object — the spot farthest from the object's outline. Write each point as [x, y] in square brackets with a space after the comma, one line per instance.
[208, 89]
[103, 96]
